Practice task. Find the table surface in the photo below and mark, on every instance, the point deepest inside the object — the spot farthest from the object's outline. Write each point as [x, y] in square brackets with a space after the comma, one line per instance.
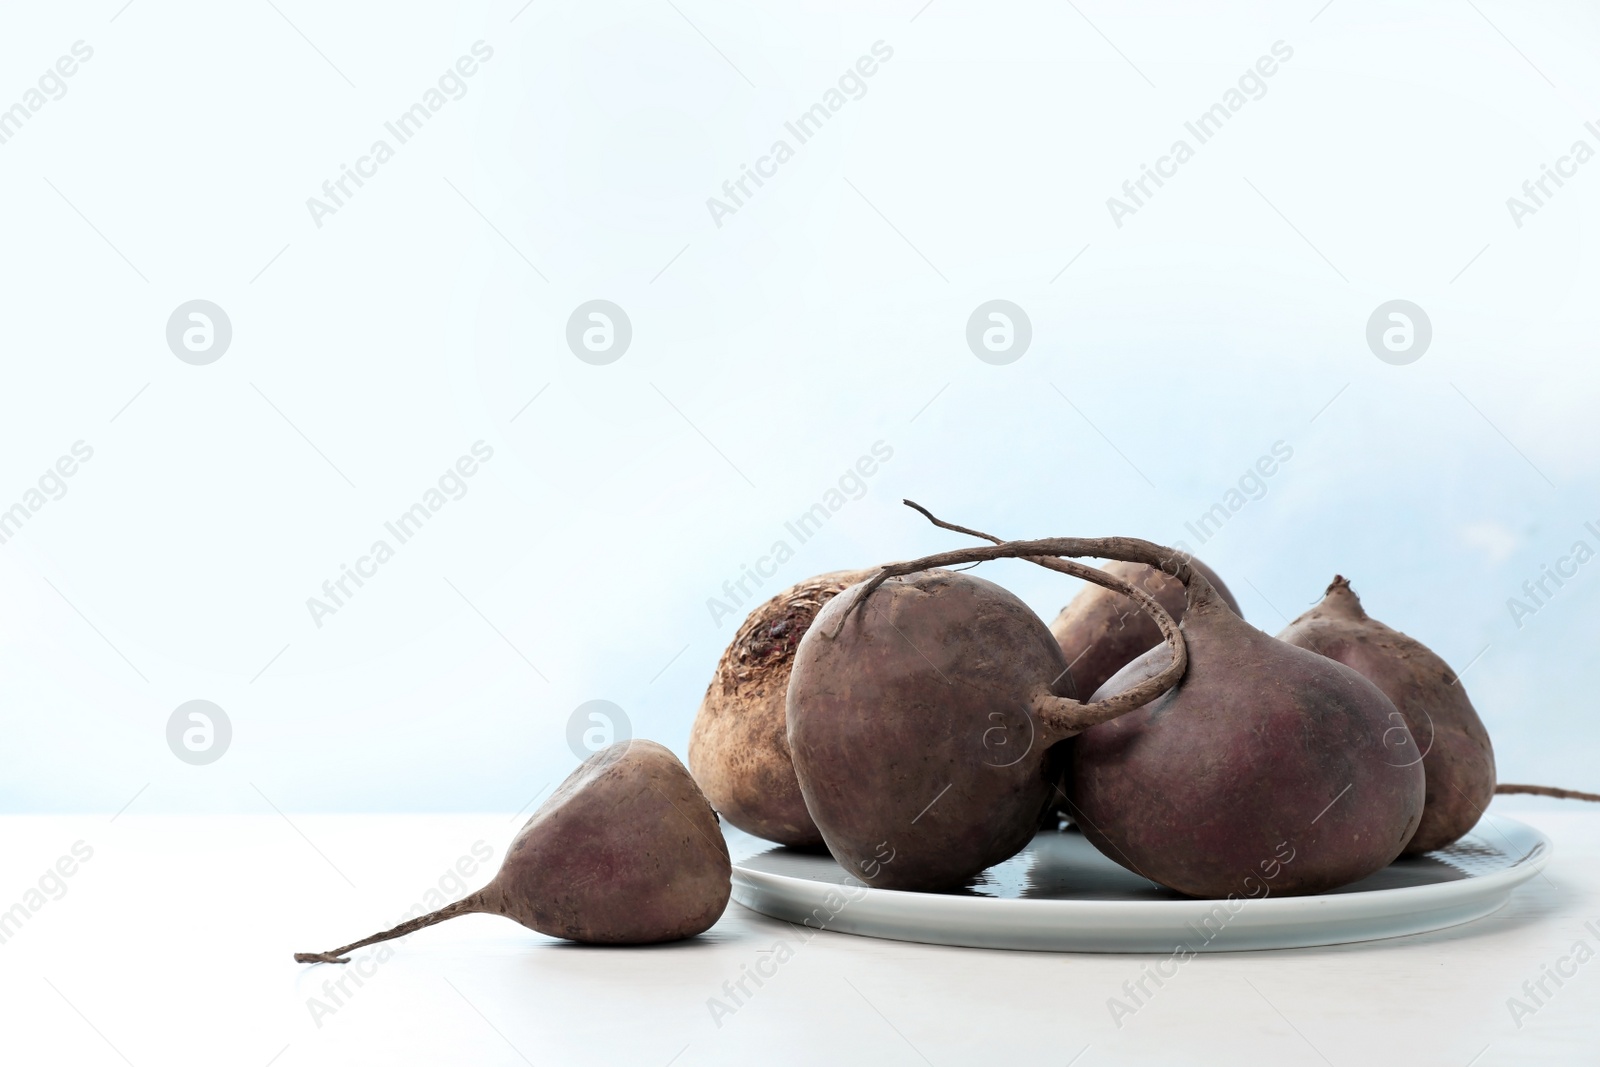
[171, 941]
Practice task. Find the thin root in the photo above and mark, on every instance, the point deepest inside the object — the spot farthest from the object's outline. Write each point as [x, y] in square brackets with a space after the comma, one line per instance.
[464, 906]
[1089, 713]
[1548, 791]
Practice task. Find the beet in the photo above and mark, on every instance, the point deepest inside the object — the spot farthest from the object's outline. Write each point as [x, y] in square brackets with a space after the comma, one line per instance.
[923, 705]
[1433, 705]
[1101, 631]
[626, 851]
[1264, 751]
[739, 745]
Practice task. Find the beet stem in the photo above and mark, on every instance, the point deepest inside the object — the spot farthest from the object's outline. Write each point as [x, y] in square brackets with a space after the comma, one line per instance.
[464, 906]
[1070, 715]
[1547, 791]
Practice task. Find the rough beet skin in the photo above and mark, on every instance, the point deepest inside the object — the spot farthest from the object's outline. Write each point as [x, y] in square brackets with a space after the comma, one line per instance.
[739, 744]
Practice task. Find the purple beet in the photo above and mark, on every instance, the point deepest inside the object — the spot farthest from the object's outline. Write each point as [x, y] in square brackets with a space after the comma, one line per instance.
[923, 705]
[1456, 755]
[625, 852]
[1263, 751]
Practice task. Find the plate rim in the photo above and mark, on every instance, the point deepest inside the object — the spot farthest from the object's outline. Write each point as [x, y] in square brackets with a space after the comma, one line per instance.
[1401, 899]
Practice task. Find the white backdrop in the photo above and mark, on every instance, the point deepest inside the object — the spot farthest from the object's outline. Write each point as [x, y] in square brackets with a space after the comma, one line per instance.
[776, 340]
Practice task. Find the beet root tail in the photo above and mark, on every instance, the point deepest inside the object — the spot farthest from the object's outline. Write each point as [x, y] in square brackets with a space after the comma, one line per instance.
[1547, 791]
[464, 906]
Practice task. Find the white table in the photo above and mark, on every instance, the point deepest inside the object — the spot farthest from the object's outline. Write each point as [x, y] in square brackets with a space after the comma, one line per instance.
[172, 944]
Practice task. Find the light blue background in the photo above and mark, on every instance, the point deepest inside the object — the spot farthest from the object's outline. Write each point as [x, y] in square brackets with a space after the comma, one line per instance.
[768, 354]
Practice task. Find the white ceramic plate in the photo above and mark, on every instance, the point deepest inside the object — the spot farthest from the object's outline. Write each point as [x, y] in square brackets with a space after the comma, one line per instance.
[1060, 895]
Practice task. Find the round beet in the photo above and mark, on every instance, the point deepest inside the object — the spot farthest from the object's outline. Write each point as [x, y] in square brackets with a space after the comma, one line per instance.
[1269, 770]
[739, 745]
[1456, 755]
[1101, 631]
[922, 707]
[958, 672]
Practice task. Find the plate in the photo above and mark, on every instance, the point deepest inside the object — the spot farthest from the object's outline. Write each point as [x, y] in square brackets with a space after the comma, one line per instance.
[1060, 895]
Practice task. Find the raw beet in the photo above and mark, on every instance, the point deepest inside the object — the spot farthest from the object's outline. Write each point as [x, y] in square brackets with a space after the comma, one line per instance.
[626, 851]
[1433, 705]
[922, 707]
[739, 745]
[1263, 751]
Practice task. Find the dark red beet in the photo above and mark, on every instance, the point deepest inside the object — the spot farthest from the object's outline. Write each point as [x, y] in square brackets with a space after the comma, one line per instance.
[1264, 750]
[921, 714]
[1456, 754]
[625, 852]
